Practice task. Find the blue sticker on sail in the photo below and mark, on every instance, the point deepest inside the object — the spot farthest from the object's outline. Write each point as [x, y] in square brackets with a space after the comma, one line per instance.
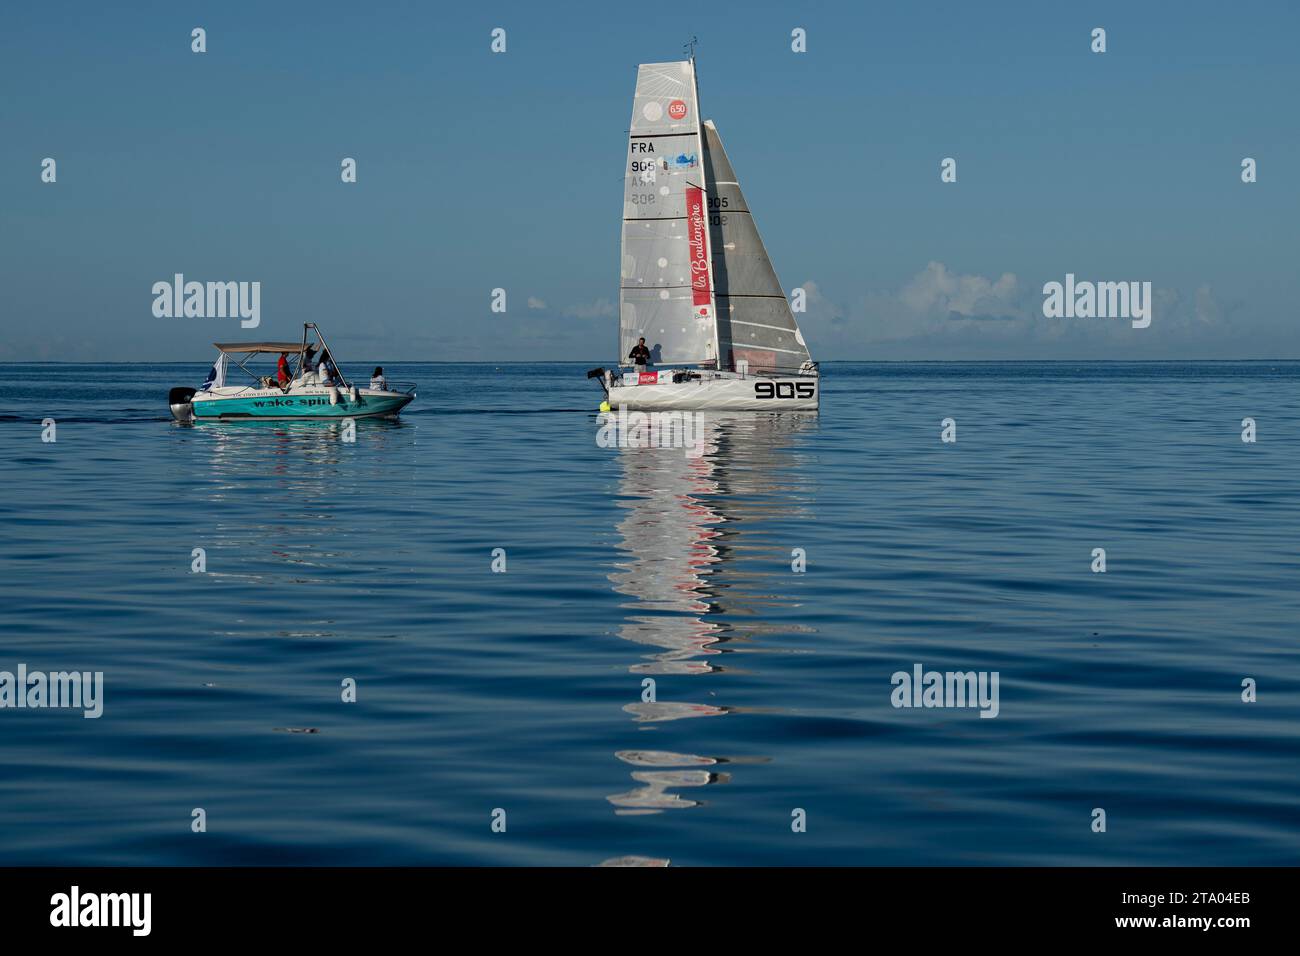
[680, 161]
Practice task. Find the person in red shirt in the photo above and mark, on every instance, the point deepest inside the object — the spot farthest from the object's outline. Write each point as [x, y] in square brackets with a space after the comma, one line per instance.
[282, 370]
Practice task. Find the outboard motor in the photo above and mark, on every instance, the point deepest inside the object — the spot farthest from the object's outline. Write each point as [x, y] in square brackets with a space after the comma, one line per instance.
[181, 401]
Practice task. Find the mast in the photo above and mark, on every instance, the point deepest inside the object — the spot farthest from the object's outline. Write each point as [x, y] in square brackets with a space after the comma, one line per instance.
[707, 189]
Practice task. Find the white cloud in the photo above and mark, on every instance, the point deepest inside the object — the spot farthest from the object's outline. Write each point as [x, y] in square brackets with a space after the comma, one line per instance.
[935, 290]
[602, 308]
[1208, 309]
[818, 306]
[940, 313]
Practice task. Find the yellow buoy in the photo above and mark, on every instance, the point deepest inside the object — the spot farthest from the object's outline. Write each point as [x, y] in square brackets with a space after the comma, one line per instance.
[604, 406]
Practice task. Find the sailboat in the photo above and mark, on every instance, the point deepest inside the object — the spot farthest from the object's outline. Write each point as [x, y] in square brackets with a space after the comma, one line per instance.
[696, 281]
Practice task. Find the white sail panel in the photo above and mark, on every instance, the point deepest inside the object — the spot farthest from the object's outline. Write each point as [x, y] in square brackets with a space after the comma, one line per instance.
[754, 319]
[666, 289]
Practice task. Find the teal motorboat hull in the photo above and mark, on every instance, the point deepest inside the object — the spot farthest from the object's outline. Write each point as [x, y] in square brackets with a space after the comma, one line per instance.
[298, 407]
[315, 391]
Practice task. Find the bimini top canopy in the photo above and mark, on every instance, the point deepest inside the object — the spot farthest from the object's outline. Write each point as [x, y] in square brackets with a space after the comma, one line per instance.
[293, 348]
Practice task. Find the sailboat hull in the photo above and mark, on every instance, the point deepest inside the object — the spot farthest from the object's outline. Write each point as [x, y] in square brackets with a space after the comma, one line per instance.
[753, 394]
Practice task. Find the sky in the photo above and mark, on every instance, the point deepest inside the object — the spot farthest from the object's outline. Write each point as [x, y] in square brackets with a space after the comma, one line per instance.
[479, 170]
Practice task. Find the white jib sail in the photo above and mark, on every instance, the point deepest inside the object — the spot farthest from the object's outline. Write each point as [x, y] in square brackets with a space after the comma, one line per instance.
[754, 319]
[666, 289]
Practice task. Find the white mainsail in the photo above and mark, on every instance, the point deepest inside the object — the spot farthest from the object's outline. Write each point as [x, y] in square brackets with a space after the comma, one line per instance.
[754, 319]
[666, 290]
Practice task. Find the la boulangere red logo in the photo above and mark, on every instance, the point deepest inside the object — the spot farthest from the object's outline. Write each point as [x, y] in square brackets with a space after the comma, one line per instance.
[677, 109]
[699, 247]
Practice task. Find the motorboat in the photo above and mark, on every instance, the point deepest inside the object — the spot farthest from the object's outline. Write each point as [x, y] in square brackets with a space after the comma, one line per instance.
[310, 394]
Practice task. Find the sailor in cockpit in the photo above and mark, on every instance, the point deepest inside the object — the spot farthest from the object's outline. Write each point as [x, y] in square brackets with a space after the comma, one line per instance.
[640, 355]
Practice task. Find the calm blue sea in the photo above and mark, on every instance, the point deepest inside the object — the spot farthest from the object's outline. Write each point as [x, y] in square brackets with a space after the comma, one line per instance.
[522, 691]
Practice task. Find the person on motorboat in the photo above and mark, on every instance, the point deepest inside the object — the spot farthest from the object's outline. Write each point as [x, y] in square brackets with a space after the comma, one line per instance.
[307, 371]
[326, 374]
[282, 370]
[377, 380]
[326, 368]
[640, 355]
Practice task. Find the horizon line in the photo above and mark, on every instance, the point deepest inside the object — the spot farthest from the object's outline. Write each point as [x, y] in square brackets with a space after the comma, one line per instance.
[878, 361]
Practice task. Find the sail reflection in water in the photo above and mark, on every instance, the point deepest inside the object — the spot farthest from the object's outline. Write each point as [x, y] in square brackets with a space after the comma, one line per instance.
[697, 569]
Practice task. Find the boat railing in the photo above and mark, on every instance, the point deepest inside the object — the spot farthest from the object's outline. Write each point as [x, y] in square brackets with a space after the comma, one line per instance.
[407, 388]
[807, 370]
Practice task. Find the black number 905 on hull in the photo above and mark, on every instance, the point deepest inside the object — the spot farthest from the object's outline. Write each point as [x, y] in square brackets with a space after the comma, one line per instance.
[785, 389]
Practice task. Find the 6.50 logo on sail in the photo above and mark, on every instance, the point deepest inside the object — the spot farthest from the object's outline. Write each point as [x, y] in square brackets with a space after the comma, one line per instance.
[784, 389]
